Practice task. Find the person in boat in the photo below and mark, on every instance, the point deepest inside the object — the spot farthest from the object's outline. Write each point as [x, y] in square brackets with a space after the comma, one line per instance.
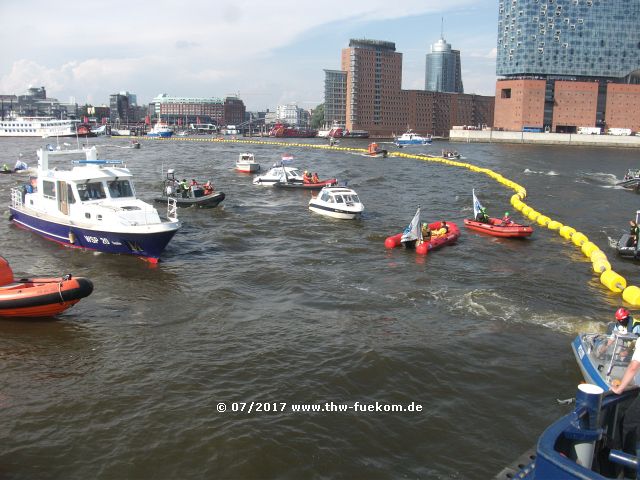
[634, 232]
[624, 325]
[482, 215]
[5, 168]
[184, 188]
[443, 230]
[208, 188]
[426, 232]
[193, 183]
[306, 178]
[314, 178]
[506, 220]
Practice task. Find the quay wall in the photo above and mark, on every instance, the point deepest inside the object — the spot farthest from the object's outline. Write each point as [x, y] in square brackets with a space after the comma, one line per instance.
[492, 136]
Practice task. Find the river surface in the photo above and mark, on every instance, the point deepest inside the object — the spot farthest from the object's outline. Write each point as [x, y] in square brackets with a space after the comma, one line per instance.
[260, 300]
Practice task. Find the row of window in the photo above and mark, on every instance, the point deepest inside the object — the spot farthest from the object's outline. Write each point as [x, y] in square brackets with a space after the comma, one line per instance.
[90, 190]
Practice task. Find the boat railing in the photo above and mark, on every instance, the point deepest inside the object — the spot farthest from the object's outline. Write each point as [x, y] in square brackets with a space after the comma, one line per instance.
[622, 350]
[17, 194]
[172, 208]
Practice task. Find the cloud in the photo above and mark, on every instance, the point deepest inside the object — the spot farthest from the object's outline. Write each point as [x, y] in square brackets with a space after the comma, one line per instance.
[206, 49]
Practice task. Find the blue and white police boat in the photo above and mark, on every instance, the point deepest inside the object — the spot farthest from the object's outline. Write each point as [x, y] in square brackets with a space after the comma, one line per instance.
[92, 205]
[410, 138]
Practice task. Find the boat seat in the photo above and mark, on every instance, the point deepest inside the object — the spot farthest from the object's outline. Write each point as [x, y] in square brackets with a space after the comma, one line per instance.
[6, 274]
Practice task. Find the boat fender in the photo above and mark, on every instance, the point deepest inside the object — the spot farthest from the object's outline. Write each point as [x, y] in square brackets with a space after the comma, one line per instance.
[72, 238]
[631, 295]
[613, 281]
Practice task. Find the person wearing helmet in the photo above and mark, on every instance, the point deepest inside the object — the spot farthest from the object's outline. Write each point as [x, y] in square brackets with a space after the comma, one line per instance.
[306, 178]
[506, 220]
[482, 215]
[624, 325]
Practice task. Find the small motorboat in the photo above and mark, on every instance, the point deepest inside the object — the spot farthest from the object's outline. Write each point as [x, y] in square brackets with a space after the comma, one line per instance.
[134, 144]
[626, 246]
[498, 228]
[374, 150]
[631, 180]
[278, 172]
[603, 362]
[451, 155]
[440, 234]
[337, 202]
[581, 445]
[247, 163]
[39, 297]
[410, 138]
[196, 195]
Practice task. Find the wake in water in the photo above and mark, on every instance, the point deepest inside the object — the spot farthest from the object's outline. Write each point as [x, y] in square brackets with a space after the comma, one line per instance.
[550, 172]
[600, 179]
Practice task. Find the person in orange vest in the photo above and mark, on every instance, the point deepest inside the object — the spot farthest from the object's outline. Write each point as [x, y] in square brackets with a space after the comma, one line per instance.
[306, 177]
[315, 178]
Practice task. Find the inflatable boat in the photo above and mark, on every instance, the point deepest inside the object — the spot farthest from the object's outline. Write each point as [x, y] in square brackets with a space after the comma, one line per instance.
[319, 185]
[424, 246]
[39, 297]
[498, 228]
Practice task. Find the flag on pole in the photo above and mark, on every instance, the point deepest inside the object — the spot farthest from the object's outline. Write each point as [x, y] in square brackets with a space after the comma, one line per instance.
[413, 231]
[476, 204]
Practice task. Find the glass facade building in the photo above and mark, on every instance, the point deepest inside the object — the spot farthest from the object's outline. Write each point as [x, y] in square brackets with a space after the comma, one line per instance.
[443, 70]
[569, 38]
[335, 96]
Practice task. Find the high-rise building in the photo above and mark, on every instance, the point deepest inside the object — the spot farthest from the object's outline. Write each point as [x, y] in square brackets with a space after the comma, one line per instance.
[335, 96]
[443, 71]
[567, 64]
[375, 102]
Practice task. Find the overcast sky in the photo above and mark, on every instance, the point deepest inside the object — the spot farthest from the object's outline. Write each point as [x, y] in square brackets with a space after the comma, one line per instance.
[267, 52]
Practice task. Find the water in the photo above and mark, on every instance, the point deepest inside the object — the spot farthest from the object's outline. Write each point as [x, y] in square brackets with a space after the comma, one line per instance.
[261, 300]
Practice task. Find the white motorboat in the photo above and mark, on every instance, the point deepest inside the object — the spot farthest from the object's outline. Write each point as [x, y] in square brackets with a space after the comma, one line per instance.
[411, 138]
[247, 163]
[337, 202]
[279, 173]
[92, 206]
[160, 130]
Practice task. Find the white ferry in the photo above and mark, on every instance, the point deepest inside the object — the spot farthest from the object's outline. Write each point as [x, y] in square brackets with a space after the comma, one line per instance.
[37, 127]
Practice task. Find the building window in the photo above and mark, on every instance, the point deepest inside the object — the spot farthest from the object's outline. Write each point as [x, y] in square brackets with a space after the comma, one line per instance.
[505, 93]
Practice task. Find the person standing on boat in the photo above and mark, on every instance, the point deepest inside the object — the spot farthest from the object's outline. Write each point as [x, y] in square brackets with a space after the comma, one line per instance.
[624, 325]
[482, 215]
[184, 188]
[634, 231]
[426, 232]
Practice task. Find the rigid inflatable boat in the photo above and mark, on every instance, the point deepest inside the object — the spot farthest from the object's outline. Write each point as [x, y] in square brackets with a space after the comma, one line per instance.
[39, 297]
[498, 228]
[412, 237]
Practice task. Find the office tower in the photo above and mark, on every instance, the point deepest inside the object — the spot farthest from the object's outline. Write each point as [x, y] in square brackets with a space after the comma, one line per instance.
[335, 96]
[443, 71]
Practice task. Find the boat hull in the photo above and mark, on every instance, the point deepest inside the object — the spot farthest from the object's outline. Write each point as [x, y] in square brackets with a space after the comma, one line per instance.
[307, 186]
[496, 229]
[44, 297]
[433, 243]
[159, 135]
[626, 249]
[248, 167]
[327, 211]
[206, 201]
[148, 242]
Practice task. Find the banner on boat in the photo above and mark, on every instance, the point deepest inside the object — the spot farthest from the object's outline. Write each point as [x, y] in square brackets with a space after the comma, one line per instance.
[477, 206]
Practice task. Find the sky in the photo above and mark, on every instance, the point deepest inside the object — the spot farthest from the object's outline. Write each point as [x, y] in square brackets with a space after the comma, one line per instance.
[268, 53]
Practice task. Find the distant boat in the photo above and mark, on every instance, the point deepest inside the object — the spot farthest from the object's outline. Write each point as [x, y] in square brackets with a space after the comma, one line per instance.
[411, 138]
[247, 163]
[37, 127]
[160, 130]
[280, 130]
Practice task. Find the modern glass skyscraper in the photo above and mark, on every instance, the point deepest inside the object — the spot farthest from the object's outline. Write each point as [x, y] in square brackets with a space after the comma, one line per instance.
[569, 38]
[443, 71]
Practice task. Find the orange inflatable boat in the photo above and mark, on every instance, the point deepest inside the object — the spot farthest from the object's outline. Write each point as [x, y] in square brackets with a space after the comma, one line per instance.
[39, 297]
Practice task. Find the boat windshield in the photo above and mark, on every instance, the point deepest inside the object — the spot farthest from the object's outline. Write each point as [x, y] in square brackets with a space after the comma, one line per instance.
[91, 191]
[120, 188]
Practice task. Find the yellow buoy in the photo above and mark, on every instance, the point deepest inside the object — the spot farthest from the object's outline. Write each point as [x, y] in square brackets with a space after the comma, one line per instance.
[567, 231]
[613, 281]
[543, 220]
[554, 225]
[578, 238]
[588, 248]
[600, 266]
[632, 295]
[533, 215]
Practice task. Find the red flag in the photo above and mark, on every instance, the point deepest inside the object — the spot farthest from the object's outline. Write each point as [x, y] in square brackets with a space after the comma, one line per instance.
[147, 120]
[85, 120]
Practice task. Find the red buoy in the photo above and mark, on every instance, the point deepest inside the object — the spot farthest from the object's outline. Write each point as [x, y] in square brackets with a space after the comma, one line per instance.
[393, 241]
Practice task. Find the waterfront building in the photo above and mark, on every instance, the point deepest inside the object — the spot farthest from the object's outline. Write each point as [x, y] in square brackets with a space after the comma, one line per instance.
[185, 110]
[567, 64]
[119, 109]
[335, 96]
[292, 115]
[375, 102]
[443, 72]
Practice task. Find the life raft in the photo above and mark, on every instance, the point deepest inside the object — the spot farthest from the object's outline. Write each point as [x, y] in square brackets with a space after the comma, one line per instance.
[498, 228]
[39, 297]
[435, 241]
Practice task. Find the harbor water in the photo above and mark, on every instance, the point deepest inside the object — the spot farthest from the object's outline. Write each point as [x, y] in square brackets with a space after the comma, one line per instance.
[260, 304]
